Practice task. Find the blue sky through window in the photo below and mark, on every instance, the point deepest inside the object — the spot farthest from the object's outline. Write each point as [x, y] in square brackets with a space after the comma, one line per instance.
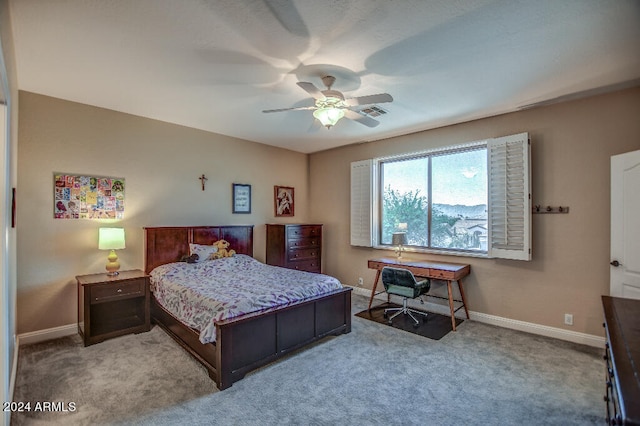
[458, 178]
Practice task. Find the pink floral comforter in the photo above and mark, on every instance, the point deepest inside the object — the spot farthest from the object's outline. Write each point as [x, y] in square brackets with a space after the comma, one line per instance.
[199, 294]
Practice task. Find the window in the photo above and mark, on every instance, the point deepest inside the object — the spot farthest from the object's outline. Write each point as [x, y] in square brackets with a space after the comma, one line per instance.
[471, 199]
[438, 199]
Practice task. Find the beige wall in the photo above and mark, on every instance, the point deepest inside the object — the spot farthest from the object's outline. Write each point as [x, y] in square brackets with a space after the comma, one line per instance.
[161, 163]
[571, 148]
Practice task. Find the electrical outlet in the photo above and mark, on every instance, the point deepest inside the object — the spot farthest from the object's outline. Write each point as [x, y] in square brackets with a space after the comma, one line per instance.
[568, 319]
[360, 282]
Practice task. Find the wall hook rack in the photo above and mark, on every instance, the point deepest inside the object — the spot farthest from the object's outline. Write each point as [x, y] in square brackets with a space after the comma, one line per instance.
[539, 209]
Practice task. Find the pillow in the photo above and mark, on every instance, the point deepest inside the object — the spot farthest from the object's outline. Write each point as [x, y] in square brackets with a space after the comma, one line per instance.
[203, 252]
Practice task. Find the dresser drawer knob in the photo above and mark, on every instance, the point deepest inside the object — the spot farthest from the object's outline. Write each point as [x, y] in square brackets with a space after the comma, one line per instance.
[119, 290]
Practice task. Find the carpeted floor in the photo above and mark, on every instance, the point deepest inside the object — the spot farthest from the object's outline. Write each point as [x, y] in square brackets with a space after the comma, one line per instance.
[376, 375]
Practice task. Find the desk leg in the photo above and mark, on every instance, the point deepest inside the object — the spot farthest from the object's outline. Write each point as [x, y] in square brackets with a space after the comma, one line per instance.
[464, 299]
[373, 290]
[453, 312]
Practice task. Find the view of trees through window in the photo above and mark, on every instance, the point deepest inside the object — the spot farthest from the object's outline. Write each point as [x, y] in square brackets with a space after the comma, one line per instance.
[456, 219]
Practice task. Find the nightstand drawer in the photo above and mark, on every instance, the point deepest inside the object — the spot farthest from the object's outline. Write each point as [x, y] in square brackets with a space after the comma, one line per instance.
[117, 290]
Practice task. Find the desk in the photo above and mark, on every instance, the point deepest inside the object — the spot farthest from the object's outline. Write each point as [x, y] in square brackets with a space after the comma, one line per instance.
[448, 272]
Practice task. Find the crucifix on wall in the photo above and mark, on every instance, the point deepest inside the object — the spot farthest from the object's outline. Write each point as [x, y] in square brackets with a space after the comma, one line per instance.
[203, 178]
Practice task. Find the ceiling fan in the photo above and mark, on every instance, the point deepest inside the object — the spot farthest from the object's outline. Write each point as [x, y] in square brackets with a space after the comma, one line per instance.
[331, 105]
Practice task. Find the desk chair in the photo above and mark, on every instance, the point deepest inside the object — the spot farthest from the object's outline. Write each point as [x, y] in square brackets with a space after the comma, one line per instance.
[401, 282]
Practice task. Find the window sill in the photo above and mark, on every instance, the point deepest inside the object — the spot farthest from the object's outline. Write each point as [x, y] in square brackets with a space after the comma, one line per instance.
[483, 255]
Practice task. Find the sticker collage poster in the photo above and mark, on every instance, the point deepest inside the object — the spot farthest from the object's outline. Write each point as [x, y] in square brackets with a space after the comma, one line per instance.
[88, 197]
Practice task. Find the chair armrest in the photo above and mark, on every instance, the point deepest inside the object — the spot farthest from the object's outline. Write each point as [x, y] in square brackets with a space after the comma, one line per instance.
[424, 286]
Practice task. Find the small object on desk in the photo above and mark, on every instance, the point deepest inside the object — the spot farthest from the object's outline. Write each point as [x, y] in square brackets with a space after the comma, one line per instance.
[399, 239]
[110, 306]
[445, 271]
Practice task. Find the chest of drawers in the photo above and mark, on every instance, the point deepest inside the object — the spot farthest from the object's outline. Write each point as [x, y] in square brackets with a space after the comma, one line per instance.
[622, 354]
[295, 246]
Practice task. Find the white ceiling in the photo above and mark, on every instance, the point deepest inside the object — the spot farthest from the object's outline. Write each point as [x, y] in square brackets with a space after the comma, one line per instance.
[215, 65]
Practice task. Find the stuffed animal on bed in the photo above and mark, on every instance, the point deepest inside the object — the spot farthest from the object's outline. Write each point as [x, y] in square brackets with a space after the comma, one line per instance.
[190, 259]
[222, 250]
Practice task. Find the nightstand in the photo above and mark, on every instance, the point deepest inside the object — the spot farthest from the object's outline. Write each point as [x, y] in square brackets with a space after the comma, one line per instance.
[110, 306]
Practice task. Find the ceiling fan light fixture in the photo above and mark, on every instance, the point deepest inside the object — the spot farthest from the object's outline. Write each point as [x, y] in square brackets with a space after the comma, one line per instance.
[328, 116]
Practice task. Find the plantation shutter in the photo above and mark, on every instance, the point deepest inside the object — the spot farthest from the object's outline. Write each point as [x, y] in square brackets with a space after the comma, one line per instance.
[509, 197]
[361, 203]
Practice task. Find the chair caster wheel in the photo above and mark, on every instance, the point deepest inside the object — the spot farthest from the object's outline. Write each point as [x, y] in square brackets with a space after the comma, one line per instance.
[385, 315]
[416, 325]
[390, 322]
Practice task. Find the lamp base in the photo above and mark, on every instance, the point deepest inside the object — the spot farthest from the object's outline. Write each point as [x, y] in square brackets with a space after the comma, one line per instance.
[113, 265]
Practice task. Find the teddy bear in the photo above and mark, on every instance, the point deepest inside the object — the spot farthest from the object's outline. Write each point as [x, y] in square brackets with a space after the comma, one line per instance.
[222, 250]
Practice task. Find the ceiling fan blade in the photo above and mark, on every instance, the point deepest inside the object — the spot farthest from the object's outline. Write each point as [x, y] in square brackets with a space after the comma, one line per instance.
[311, 89]
[363, 119]
[289, 109]
[370, 99]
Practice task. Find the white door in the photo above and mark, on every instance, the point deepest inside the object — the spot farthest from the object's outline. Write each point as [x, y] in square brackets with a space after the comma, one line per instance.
[625, 225]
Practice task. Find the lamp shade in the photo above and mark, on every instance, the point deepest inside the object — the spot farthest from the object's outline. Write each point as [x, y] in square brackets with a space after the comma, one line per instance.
[111, 239]
[399, 239]
[328, 116]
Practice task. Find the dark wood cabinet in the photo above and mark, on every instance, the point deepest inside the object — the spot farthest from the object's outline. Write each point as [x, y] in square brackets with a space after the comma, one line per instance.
[295, 246]
[110, 306]
[622, 355]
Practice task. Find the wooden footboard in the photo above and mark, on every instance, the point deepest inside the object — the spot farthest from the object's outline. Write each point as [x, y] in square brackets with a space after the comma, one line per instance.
[253, 340]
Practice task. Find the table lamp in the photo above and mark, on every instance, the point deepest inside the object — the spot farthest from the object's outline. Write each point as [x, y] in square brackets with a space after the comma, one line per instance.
[111, 239]
[399, 239]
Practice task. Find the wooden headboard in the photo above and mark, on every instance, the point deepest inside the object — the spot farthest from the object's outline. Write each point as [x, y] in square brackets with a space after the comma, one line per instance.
[169, 244]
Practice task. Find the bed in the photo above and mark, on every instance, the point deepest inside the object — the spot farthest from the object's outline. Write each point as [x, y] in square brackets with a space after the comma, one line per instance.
[248, 341]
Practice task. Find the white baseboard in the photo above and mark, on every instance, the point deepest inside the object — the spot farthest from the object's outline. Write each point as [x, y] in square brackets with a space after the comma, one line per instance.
[47, 334]
[528, 327]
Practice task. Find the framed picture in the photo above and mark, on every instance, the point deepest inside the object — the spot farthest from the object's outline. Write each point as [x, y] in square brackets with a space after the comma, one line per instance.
[283, 197]
[87, 197]
[241, 198]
